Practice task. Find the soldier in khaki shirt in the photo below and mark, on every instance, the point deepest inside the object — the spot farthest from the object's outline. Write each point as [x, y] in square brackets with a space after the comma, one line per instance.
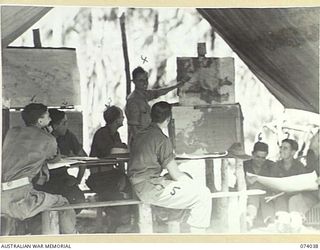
[150, 154]
[137, 108]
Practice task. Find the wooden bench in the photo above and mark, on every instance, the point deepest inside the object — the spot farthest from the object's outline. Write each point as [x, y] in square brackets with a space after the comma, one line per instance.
[50, 217]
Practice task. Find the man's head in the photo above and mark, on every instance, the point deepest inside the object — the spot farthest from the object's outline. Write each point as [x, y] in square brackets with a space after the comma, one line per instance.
[161, 112]
[113, 116]
[288, 148]
[140, 78]
[36, 114]
[259, 153]
[58, 122]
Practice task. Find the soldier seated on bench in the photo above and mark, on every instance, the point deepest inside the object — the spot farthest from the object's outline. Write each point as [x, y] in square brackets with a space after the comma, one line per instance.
[304, 201]
[258, 209]
[110, 182]
[25, 152]
[151, 152]
[60, 181]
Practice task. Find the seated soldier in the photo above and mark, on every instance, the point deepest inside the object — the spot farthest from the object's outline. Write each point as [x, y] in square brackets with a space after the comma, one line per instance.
[304, 201]
[110, 182]
[287, 166]
[25, 153]
[151, 152]
[258, 210]
[60, 181]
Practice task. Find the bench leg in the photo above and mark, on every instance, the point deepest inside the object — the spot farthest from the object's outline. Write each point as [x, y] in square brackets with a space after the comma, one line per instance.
[8, 225]
[50, 222]
[173, 227]
[145, 218]
[99, 219]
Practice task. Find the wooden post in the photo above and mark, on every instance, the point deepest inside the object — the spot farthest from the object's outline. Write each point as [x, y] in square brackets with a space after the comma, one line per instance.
[50, 222]
[242, 198]
[224, 201]
[174, 227]
[125, 52]
[210, 181]
[209, 174]
[5, 122]
[220, 205]
[36, 38]
[145, 218]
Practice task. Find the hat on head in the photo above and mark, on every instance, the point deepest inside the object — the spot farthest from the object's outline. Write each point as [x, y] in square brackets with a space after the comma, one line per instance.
[236, 151]
[260, 146]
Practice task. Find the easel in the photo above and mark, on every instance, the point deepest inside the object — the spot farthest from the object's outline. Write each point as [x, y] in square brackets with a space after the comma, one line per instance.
[224, 221]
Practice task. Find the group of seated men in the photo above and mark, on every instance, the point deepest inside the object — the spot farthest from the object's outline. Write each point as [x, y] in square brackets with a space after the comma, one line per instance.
[28, 187]
[262, 210]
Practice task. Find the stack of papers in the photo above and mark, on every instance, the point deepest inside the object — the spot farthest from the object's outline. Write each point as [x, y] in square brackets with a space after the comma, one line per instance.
[65, 162]
[295, 183]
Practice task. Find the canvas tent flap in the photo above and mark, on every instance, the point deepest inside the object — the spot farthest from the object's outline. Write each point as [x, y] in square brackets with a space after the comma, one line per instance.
[15, 20]
[280, 46]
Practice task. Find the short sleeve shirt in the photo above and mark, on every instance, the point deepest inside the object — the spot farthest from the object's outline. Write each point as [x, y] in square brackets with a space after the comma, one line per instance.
[138, 111]
[25, 151]
[265, 169]
[69, 144]
[103, 142]
[296, 169]
[150, 153]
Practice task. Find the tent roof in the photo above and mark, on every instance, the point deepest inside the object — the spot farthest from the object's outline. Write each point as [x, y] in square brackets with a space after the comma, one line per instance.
[15, 20]
[280, 46]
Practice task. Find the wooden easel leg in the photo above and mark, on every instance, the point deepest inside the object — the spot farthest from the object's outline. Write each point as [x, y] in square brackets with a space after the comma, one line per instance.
[145, 218]
[242, 198]
[209, 171]
[223, 203]
[50, 222]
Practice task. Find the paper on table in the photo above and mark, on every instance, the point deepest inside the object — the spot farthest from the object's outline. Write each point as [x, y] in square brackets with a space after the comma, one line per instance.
[295, 183]
[64, 162]
[82, 158]
[212, 155]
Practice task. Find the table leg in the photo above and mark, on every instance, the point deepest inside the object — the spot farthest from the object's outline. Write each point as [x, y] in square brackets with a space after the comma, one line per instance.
[50, 222]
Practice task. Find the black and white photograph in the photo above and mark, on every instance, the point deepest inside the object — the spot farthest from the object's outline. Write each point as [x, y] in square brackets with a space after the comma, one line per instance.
[145, 120]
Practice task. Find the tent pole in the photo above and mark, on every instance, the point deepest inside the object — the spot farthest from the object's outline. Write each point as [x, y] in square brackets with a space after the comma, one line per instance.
[125, 53]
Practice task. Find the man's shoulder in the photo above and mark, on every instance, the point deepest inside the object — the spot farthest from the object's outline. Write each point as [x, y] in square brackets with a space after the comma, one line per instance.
[133, 96]
[270, 163]
[153, 133]
[70, 135]
[32, 132]
[299, 165]
[101, 130]
[247, 162]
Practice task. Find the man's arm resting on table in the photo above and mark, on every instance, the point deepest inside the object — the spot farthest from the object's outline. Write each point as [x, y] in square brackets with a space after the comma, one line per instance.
[175, 172]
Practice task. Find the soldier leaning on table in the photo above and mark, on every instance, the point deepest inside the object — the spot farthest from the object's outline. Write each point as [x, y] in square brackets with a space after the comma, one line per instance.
[60, 181]
[25, 153]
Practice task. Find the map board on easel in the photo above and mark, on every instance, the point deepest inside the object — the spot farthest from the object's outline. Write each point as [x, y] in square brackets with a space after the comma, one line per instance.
[44, 75]
[214, 83]
[206, 130]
